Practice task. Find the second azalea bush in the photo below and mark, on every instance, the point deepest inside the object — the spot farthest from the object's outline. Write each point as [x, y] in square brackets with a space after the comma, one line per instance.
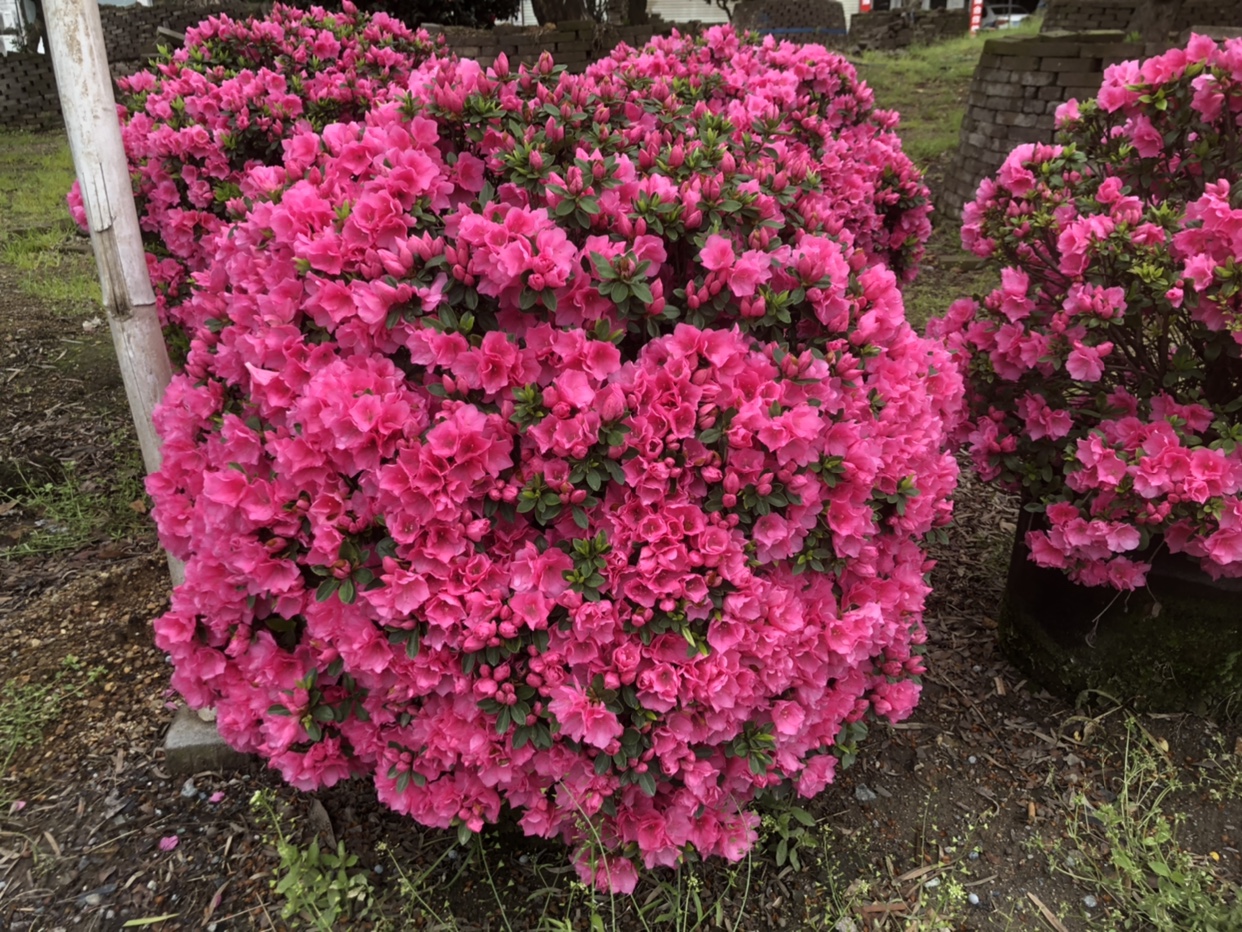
[1104, 375]
[582, 475]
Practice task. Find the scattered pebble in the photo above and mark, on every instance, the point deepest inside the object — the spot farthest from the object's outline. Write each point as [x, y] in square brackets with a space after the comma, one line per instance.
[1090, 902]
[974, 855]
[845, 924]
[93, 899]
[973, 899]
[972, 759]
[188, 789]
[933, 883]
[864, 793]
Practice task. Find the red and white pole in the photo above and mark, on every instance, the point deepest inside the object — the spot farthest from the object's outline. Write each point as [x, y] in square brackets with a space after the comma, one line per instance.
[976, 15]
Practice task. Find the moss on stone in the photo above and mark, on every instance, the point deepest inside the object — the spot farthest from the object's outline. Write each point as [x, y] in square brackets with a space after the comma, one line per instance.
[1174, 646]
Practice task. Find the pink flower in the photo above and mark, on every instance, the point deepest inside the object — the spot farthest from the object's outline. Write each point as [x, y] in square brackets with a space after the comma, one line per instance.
[169, 842]
[717, 253]
[582, 718]
[1086, 363]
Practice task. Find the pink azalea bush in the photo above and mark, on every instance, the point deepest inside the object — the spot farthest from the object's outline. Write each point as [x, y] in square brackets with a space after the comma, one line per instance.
[227, 101]
[1104, 374]
[549, 442]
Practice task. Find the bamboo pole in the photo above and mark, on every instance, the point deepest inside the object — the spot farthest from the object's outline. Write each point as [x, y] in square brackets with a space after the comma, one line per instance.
[76, 43]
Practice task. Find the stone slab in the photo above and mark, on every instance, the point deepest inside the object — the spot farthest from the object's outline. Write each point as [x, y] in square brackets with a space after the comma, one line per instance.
[193, 745]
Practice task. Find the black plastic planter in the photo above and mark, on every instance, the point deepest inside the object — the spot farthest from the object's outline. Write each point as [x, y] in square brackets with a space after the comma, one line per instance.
[1174, 646]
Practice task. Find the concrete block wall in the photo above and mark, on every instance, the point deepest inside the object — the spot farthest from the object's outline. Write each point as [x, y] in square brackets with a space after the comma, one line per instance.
[899, 29]
[1016, 89]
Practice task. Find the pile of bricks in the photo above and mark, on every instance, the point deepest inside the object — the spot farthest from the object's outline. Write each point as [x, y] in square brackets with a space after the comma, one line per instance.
[1085, 15]
[1088, 15]
[28, 98]
[1209, 13]
[820, 21]
[898, 29]
[1016, 89]
[572, 44]
[131, 33]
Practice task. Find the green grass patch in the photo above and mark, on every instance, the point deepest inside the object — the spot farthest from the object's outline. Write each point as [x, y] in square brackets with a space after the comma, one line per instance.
[928, 85]
[28, 709]
[72, 513]
[1126, 848]
[38, 239]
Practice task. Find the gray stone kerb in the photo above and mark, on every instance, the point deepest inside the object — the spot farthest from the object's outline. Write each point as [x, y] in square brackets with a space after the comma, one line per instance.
[193, 745]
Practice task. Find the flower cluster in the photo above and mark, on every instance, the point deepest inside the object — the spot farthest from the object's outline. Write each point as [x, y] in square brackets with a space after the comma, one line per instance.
[545, 443]
[1104, 374]
[228, 100]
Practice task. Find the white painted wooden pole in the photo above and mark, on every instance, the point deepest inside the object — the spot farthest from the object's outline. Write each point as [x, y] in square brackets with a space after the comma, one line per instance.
[80, 59]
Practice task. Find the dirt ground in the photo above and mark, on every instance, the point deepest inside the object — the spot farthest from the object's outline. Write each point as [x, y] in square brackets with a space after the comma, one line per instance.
[952, 820]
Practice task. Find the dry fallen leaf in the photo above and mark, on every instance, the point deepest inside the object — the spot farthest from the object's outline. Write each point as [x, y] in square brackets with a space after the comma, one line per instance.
[1048, 914]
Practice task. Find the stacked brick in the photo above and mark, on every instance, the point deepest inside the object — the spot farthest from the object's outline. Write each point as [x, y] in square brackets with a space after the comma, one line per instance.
[898, 29]
[1016, 89]
[131, 33]
[1086, 15]
[28, 98]
[1226, 13]
[573, 44]
[1089, 15]
[821, 21]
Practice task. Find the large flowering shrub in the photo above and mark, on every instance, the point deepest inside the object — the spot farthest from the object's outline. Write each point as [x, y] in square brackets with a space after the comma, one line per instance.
[227, 101]
[550, 442]
[1103, 375]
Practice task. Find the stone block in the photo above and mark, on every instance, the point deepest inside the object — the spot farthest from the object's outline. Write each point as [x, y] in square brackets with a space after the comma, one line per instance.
[1063, 65]
[193, 745]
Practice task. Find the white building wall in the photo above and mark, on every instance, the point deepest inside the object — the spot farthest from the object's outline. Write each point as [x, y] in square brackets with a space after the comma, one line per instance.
[685, 11]
[8, 21]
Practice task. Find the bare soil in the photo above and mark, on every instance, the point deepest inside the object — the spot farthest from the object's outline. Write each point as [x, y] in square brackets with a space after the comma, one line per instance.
[967, 794]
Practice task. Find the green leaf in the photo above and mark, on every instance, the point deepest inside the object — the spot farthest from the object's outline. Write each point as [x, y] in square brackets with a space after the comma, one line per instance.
[802, 816]
[325, 589]
[347, 592]
[647, 782]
